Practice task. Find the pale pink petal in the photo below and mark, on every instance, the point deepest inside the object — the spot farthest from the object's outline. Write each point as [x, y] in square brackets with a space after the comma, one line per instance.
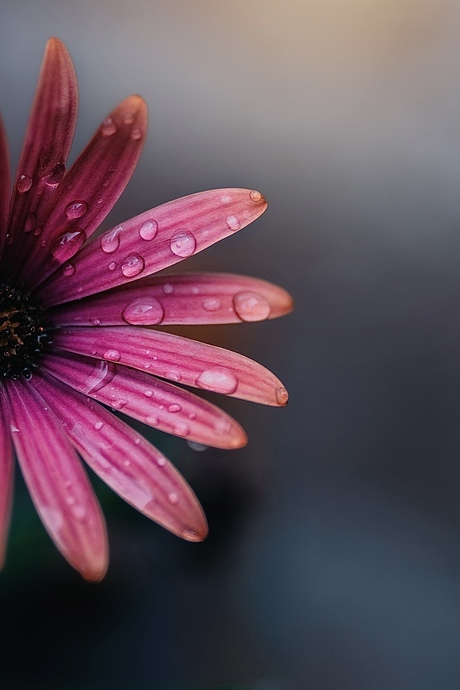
[6, 475]
[178, 359]
[46, 146]
[190, 298]
[153, 241]
[126, 462]
[89, 190]
[144, 397]
[4, 187]
[57, 482]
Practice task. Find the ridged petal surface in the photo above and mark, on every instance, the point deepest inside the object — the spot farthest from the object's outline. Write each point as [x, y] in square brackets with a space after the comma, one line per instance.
[153, 241]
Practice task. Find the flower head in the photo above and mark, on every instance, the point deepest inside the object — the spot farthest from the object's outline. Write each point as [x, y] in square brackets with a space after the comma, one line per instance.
[76, 318]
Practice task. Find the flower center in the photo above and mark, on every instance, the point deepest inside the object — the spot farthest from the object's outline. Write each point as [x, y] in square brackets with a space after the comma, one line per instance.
[22, 332]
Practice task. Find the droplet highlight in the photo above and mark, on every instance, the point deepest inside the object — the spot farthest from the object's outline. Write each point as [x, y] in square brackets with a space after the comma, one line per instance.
[76, 209]
[218, 380]
[108, 127]
[67, 245]
[112, 355]
[143, 311]
[250, 306]
[233, 223]
[24, 183]
[212, 304]
[110, 241]
[132, 265]
[148, 230]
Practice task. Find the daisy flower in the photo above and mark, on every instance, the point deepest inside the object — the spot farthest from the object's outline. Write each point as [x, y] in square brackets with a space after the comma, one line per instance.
[76, 318]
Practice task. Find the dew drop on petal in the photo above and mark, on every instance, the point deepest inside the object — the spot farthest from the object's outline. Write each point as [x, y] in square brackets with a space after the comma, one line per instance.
[95, 321]
[128, 118]
[30, 223]
[108, 127]
[153, 420]
[174, 407]
[38, 231]
[55, 176]
[218, 380]
[212, 304]
[148, 393]
[143, 311]
[233, 222]
[136, 134]
[182, 429]
[282, 395]
[110, 241]
[148, 230]
[68, 244]
[112, 265]
[68, 269]
[168, 289]
[161, 461]
[98, 425]
[173, 375]
[183, 244]
[132, 265]
[250, 306]
[173, 497]
[24, 183]
[76, 209]
[255, 196]
[112, 355]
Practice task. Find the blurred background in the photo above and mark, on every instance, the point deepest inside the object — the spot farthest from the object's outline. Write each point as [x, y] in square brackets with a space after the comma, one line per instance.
[333, 561]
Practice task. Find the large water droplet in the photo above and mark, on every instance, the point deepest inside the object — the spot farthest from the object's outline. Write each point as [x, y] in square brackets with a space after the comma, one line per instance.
[24, 183]
[233, 222]
[68, 244]
[112, 355]
[76, 209]
[183, 244]
[148, 230]
[55, 176]
[108, 127]
[250, 306]
[110, 241]
[219, 380]
[132, 265]
[143, 311]
[212, 304]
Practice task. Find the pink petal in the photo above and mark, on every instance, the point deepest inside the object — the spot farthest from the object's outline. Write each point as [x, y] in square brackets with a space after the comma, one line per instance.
[153, 241]
[126, 462]
[46, 146]
[193, 298]
[6, 475]
[57, 482]
[179, 359]
[154, 402]
[4, 187]
[90, 189]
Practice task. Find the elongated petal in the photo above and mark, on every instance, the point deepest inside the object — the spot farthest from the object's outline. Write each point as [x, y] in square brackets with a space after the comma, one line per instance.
[130, 465]
[46, 146]
[153, 241]
[190, 298]
[178, 359]
[4, 187]
[6, 475]
[57, 482]
[90, 189]
[154, 402]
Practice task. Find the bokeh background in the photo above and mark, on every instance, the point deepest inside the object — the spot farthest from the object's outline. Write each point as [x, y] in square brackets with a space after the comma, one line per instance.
[333, 561]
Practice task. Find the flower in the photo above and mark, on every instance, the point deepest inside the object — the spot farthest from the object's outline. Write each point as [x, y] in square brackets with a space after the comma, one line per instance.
[76, 321]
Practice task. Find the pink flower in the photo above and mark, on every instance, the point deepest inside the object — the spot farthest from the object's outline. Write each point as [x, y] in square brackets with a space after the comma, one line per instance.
[76, 318]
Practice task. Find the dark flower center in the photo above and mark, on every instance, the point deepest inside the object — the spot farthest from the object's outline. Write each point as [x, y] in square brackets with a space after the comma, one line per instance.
[22, 332]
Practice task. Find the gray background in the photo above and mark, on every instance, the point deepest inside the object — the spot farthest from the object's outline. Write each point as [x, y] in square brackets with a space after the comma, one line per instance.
[333, 561]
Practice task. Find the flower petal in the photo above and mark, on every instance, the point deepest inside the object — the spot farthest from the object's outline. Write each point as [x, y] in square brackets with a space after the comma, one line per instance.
[46, 146]
[187, 298]
[4, 187]
[90, 189]
[143, 397]
[176, 358]
[6, 476]
[153, 241]
[57, 482]
[130, 465]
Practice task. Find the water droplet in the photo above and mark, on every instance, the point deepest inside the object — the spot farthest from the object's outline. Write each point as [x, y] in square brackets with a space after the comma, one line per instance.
[110, 241]
[168, 289]
[181, 429]
[95, 321]
[9, 238]
[30, 223]
[218, 380]
[127, 463]
[173, 497]
[153, 420]
[67, 245]
[55, 176]
[76, 209]
[174, 407]
[108, 127]
[101, 375]
[161, 461]
[137, 441]
[132, 265]
[112, 355]
[79, 512]
[148, 230]
[98, 425]
[173, 375]
[38, 231]
[118, 404]
[128, 118]
[212, 304]
[112, 265]
[198, 447]
[233, 222]
[143, 311]
[148, 393]
[255, 196]
[250, 306]
[136, 134]
[24, 183]
[282, 395]
[183, 244]
[68, 269]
